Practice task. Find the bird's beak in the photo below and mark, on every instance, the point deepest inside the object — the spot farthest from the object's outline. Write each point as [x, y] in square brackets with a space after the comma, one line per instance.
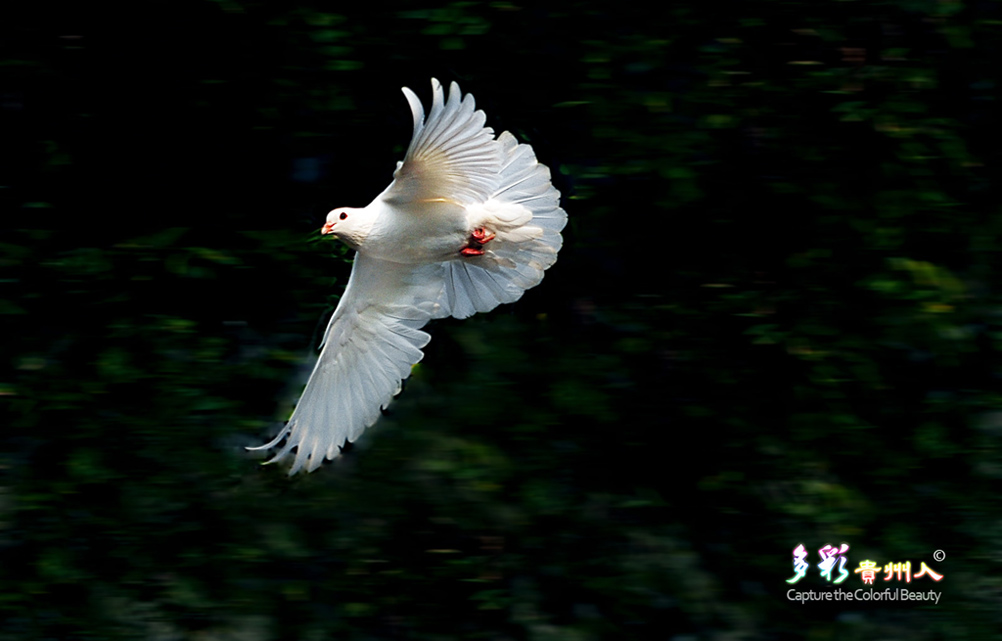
[328, 228]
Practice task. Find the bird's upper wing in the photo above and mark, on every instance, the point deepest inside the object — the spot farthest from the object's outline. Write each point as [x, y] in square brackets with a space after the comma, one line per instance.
[452, 155]
[372, 340]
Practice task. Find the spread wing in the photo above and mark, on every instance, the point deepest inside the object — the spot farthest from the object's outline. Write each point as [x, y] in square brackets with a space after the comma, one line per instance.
[372, 340]
[452, 155]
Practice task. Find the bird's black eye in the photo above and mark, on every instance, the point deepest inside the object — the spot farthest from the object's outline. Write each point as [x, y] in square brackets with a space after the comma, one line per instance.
[343, 215]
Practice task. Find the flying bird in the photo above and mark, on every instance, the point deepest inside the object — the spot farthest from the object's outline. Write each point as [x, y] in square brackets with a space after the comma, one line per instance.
[470, 221]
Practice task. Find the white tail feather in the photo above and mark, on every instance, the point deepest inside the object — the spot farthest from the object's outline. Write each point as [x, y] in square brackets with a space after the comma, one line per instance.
[524, 212]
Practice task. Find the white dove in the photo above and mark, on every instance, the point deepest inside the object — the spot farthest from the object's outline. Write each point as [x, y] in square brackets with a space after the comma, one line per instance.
[468, 222]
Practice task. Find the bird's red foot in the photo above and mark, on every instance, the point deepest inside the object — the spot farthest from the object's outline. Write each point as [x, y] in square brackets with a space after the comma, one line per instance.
[478, 238]
[481, 236]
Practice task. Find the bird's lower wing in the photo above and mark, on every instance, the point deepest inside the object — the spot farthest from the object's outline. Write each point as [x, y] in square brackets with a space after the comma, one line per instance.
[372, 341]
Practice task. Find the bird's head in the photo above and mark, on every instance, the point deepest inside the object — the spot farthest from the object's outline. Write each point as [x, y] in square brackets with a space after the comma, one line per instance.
[349, 224]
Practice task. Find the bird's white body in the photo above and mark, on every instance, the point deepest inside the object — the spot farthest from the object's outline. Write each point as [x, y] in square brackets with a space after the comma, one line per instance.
[436, 230]
[468, 222]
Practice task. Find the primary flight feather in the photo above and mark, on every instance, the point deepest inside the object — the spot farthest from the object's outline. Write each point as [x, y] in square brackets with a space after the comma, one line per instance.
[470, 221]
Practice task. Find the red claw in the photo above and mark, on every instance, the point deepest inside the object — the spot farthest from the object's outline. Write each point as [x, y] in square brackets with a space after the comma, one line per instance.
[478, 238]
[481, 236]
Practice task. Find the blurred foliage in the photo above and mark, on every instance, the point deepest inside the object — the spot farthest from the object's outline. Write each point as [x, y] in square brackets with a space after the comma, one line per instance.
[774, 321]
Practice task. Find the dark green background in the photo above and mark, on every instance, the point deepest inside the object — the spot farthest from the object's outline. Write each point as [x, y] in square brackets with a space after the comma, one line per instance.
[775, 320]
